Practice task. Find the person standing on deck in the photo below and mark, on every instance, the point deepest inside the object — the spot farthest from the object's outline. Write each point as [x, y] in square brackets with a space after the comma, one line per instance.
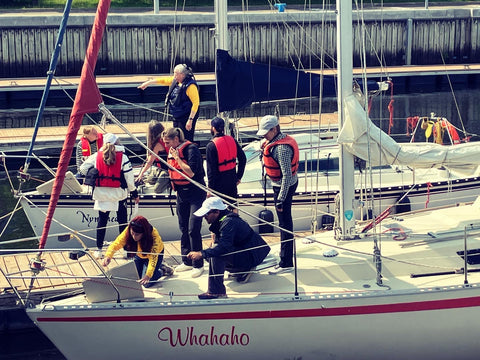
[185, 158]
[155, 144]
[223, 154]
[280, 159]
[237, 248]
[182, 98]
[115, 180]
[88, 144]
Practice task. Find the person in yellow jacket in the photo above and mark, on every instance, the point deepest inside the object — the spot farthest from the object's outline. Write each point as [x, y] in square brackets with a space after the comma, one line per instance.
[142, 242]
[182, 98]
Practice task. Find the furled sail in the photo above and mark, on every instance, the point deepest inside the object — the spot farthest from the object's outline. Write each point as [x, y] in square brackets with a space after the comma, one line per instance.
[365, 140]
[240, 83]
[87, 100]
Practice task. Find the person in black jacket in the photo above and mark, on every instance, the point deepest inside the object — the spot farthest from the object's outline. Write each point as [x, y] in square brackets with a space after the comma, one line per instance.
[186, 165]
[225, 161]
[232, 235]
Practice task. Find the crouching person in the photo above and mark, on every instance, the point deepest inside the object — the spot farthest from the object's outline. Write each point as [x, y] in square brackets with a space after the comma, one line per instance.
[237, 248]
[143, 242]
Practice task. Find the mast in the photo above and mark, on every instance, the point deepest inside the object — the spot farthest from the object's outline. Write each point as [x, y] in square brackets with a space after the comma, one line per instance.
[345, 80]
[221, 42]
[50, 74]
[87, 100]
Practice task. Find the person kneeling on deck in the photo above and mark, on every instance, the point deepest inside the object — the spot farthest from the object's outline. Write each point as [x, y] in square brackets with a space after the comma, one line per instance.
[237, 248]
[142, 242]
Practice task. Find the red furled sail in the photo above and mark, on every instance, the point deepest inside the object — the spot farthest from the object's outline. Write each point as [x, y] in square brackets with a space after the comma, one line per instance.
[87, 100]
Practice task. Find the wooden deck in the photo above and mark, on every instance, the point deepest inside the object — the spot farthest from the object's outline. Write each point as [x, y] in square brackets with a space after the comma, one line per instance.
[62, 275]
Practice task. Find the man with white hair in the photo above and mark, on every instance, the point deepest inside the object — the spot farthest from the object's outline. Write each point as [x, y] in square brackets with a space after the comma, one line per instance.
[280, 159]
[237, 248]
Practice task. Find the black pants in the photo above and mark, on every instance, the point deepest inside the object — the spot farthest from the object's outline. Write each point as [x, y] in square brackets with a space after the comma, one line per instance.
[285, 221]
[190, 225]
[236, 263]
[103, 220]
[181, 123]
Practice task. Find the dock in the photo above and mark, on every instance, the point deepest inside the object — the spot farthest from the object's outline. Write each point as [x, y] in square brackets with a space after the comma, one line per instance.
[133, 81]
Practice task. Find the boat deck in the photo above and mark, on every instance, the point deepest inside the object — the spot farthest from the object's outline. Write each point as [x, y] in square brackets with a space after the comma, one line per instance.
[61, 274]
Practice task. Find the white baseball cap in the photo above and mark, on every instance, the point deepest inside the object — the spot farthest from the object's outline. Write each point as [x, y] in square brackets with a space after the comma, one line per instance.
[110, 138]
[211, 203]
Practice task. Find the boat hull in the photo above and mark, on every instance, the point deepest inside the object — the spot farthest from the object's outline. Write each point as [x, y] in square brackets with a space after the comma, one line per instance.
[74, 213]
[431, 323]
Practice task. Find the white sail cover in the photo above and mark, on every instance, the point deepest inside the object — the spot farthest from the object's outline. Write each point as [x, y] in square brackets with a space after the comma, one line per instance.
[366, 141]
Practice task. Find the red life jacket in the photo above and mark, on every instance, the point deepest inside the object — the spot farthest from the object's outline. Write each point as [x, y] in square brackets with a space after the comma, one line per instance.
[272, 168]
[86, 149]
[227, 152]
[175, 177]
[109, 175]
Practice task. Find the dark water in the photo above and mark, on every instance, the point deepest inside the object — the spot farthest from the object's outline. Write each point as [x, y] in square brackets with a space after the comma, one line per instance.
[462, 111]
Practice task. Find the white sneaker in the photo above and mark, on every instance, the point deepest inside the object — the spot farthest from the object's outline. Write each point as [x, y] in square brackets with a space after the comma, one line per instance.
[183, 267]
[280, 270]
[196, 272]
[97, 254]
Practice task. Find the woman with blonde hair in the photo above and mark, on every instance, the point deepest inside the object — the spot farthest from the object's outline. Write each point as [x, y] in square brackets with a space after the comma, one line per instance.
[185, 158]
[114, 182]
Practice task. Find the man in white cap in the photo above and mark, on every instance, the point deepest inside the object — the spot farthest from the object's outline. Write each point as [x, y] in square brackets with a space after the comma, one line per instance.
[280, 159]
[237, 248]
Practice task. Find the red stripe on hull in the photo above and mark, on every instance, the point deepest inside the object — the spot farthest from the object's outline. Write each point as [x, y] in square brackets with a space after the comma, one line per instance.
[271, 314]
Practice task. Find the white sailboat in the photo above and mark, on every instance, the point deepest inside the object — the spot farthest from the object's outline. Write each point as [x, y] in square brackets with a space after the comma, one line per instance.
[395, 288]
[400, 186]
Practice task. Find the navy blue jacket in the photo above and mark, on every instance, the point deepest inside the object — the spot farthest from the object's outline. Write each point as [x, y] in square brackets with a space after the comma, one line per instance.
[233, 234]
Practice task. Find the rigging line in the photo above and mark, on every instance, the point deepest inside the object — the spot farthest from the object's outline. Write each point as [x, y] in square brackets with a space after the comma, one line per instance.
[135, 105]
[247, 39]
[17, 207]
[68, 229]
[176, 36]
[362, 30]
[441, 51]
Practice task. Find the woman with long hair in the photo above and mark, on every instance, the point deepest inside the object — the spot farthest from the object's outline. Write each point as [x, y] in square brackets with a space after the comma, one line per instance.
[156, 145]
[142, 242]
[115, 181]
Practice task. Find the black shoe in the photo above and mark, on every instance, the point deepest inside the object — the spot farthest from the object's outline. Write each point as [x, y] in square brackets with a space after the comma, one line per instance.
[208, 296]
[244, 277]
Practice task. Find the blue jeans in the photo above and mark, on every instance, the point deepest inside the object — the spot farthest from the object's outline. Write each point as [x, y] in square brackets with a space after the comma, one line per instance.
[285, 221]
[142, 264]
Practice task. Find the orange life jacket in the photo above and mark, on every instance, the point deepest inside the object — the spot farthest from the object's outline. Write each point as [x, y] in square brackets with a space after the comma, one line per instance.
[227, 152]
[86, 149]
[272, 168]
[109, 175]
[175, 177]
